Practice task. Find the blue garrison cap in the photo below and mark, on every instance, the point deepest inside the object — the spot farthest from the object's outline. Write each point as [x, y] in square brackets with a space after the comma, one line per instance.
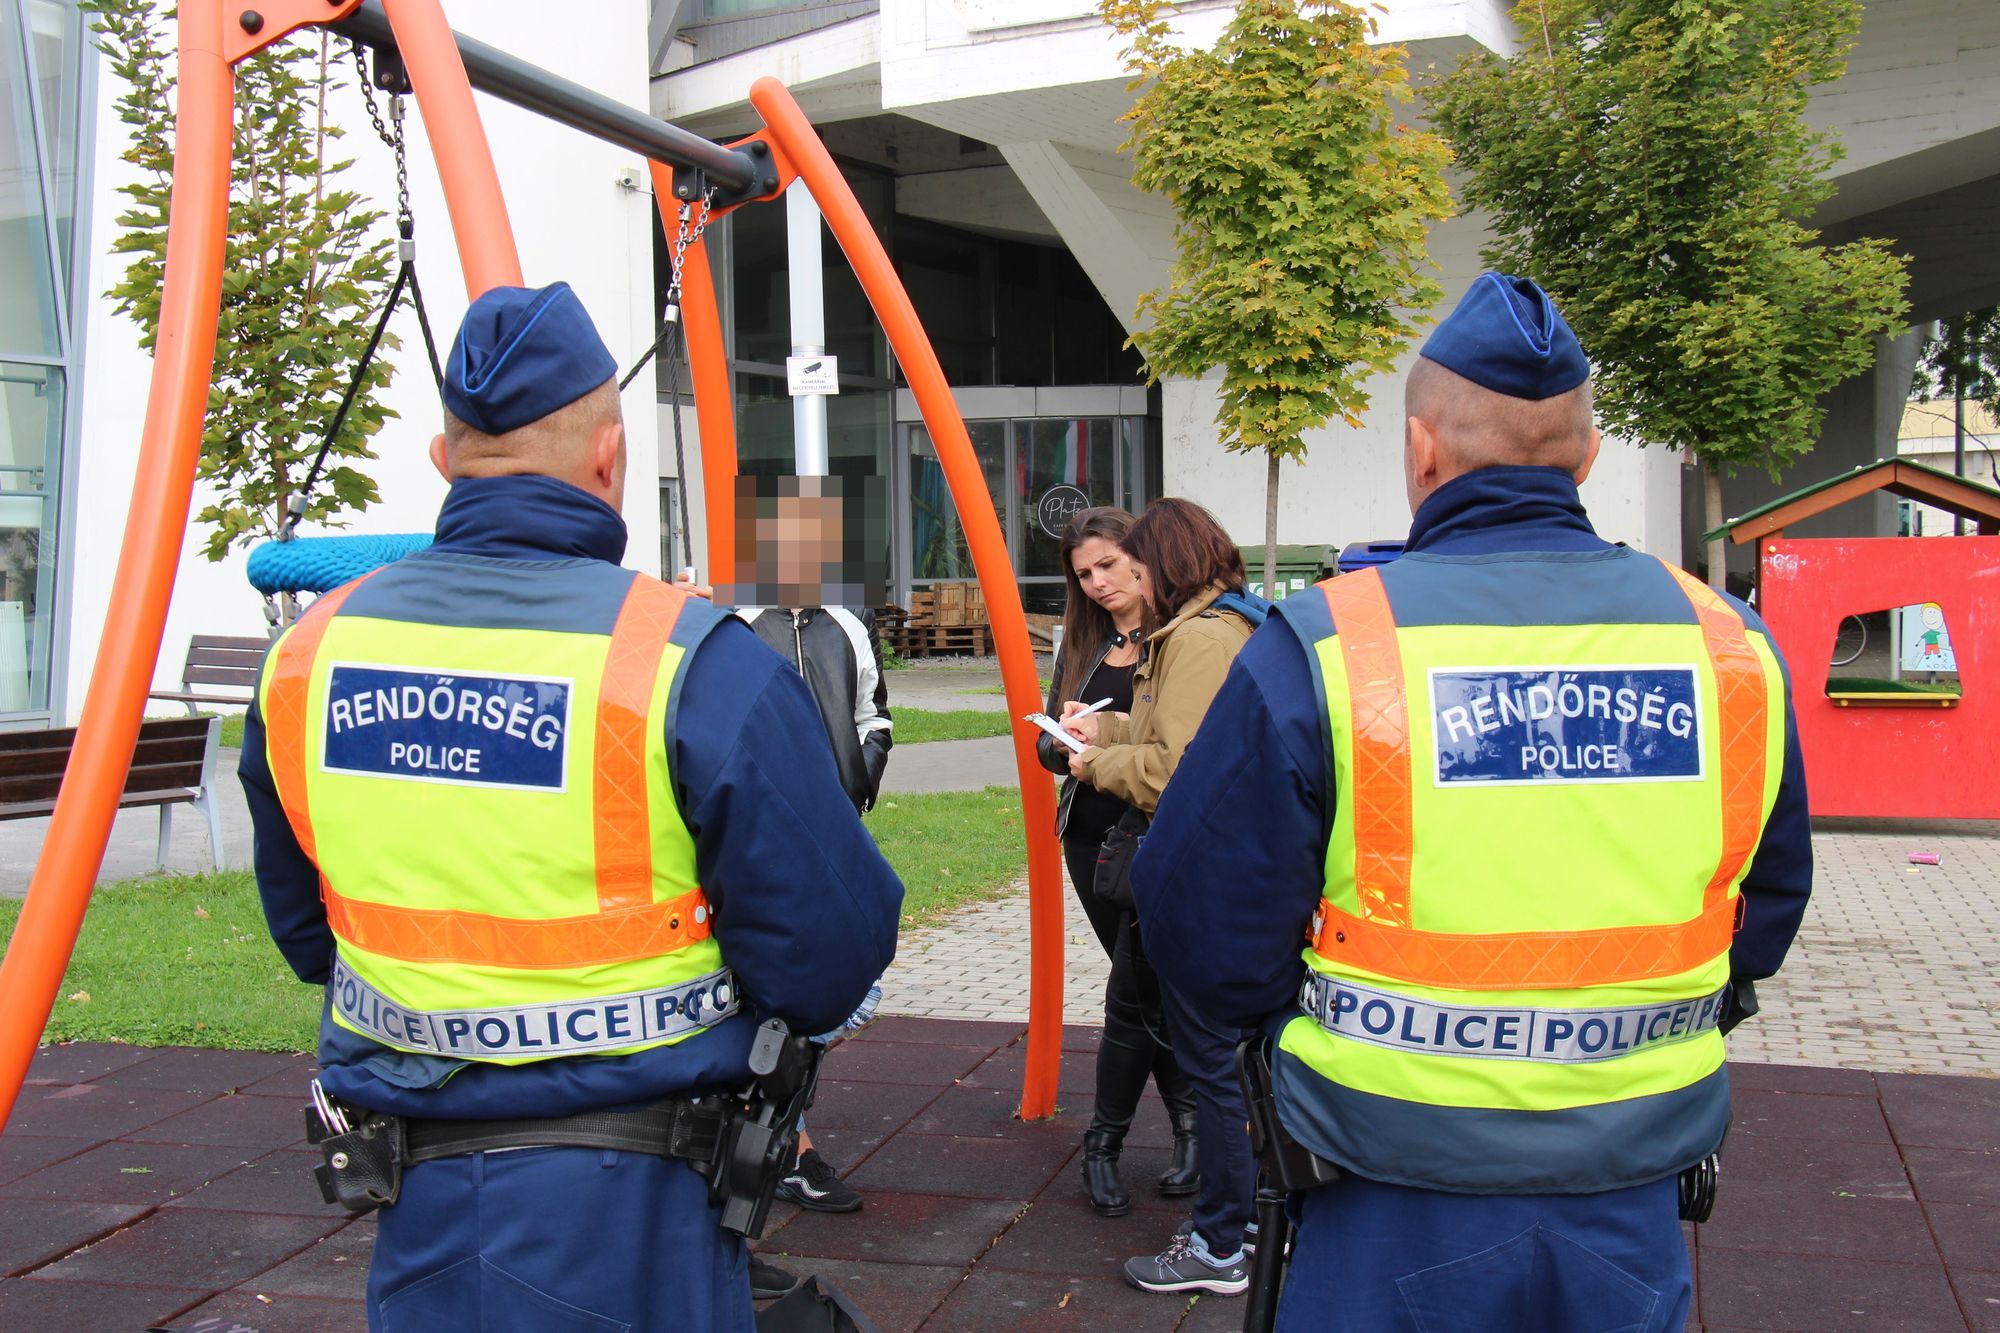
[1507, 336]
[521, 353]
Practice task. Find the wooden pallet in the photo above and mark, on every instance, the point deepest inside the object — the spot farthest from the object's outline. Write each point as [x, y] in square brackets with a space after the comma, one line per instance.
[945, 640]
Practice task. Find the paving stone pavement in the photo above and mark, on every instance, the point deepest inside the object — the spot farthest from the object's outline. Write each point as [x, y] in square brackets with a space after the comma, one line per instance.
[146, 1186]
[1893, 969]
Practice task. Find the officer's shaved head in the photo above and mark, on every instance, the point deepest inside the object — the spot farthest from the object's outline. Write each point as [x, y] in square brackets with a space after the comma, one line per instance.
[552, 444]
[1476, 427]
[582, 443]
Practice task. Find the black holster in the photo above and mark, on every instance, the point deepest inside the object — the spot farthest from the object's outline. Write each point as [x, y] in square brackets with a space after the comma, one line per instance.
[1284, 1167]
[361, 1165]
[760, 1140]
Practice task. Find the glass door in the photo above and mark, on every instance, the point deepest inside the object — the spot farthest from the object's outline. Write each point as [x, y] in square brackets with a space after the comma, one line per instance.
[938, 548]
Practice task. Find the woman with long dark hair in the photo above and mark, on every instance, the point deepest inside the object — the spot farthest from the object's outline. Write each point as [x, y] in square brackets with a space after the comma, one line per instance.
[1197, 619]
[1101, 622]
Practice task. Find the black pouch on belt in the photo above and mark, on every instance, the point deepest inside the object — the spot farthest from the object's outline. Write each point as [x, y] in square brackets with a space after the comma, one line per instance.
[361, 1166]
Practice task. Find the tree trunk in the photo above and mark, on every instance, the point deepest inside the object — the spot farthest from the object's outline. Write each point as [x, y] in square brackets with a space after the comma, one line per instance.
[1271, 528]
[1711, 496]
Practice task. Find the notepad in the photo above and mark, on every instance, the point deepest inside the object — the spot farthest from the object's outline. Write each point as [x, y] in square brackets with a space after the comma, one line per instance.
[1054, 728]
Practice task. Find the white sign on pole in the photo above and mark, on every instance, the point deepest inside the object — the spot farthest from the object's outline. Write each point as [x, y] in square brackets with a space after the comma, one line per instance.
[812, 374]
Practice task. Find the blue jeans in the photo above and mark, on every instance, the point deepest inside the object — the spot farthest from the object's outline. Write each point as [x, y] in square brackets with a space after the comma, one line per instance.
[1206, 1053]
[555, 1240]
[1376, 1258]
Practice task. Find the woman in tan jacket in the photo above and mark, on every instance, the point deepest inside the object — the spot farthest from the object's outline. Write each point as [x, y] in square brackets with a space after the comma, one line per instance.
[1198, 619]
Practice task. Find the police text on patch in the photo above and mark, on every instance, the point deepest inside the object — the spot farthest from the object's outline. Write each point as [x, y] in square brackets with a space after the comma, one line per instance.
[1508, 725]
[434, 726]
[536, 1031]
[1552, 1036]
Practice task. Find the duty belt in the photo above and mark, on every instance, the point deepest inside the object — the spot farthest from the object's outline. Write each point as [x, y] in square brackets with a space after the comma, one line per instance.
[683, 1129]
[1555, 1036]
[535, 1031]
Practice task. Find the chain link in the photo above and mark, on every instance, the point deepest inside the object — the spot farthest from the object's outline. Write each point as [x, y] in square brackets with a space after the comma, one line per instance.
[683, 238]
[393, 139]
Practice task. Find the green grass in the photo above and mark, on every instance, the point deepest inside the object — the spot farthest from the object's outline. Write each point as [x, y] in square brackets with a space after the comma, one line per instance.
[950, 847]
[179, 962]
[232, 727]
[186, 961]
[914, 726]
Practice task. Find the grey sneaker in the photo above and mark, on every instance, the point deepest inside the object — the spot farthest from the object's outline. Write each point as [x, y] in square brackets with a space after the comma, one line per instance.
[1186, 1265]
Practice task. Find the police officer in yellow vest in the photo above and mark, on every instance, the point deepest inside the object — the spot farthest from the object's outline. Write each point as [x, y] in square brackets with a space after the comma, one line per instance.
[1535, 804]
[542, 829]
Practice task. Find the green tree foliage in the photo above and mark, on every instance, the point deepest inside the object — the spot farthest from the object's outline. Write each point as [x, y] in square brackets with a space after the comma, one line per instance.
[1302, 211]
[1963, 361]
[1649, 163]
[306, 269]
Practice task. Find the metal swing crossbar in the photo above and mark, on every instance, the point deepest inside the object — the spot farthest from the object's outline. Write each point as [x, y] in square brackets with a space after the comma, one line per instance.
[443, 70]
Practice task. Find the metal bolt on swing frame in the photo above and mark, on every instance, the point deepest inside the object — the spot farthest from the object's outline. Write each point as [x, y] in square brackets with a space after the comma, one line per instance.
[443, 70]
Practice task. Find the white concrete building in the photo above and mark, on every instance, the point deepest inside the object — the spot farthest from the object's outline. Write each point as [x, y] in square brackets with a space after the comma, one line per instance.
[1000, 118]
[982, 136]
[70, 418]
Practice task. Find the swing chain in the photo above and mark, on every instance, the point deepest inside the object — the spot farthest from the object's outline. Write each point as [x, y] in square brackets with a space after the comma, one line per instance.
[684, 238]
[405, 218]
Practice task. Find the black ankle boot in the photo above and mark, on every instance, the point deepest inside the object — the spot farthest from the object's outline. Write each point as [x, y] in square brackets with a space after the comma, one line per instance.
[1183, 1175]
[1100, 1173]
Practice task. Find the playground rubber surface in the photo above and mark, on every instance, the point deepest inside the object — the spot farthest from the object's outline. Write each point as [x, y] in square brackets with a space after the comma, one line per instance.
[142, 1186]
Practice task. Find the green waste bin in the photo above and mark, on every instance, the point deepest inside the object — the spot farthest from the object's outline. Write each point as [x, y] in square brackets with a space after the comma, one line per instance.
[1299, 567]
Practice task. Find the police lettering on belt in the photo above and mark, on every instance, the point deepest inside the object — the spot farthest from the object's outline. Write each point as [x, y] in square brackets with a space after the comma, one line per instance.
[1534, 801]
[541, 828]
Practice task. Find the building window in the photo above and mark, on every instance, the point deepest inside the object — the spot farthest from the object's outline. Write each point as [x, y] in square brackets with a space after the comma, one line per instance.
[42, 71]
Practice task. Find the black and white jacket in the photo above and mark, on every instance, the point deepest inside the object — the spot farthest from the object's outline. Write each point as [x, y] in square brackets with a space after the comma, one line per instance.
[835, 648]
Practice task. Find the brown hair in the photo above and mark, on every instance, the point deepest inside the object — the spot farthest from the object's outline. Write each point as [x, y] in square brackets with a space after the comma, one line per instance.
[1184, 550]
[1086, 625]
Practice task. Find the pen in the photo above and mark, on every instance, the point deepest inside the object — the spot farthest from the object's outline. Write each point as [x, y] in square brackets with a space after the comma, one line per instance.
[1101, 703]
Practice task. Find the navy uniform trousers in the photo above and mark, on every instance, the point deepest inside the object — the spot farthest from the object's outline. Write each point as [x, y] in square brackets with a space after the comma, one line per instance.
[1376, 1258]
[555, 1240]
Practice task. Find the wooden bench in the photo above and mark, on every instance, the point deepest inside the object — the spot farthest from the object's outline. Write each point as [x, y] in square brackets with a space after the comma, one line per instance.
[217, 662]
[174, 763]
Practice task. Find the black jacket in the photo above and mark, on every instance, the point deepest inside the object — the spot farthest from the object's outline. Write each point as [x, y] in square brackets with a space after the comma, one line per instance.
[835, 648]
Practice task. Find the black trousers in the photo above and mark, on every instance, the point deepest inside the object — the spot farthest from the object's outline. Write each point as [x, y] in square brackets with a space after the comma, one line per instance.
[1135, 1045]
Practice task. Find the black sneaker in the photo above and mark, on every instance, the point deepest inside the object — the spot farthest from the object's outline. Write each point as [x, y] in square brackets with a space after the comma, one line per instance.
[1185, 1265]
[812, 1185]
[768, 1281]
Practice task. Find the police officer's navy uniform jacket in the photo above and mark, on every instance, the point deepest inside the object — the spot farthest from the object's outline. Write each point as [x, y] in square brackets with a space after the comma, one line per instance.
[788, 870]
[1233, 872]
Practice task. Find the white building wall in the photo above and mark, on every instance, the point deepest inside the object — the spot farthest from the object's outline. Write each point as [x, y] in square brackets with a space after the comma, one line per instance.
[571, 222]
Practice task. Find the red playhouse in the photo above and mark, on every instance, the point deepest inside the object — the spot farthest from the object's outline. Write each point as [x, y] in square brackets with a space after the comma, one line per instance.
[1892, 644]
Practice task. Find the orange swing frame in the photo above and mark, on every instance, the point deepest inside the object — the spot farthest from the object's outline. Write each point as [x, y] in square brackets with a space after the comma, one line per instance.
[213, 38]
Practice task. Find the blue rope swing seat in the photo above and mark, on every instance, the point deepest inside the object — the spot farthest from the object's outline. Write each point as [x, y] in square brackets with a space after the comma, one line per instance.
[321, 564]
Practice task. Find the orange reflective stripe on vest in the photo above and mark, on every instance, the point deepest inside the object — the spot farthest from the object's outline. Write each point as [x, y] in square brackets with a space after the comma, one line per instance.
[1384, 833]
[285, 713]
[629, 925]
[1742, 702]
[624, 834]
[1381, 937]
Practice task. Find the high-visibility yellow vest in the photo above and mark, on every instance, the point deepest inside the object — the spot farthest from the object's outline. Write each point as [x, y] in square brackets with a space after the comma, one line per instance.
[1531, 882]
[504, 865]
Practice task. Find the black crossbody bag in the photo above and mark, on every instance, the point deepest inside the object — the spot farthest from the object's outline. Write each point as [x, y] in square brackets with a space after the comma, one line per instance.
[1113, 881]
